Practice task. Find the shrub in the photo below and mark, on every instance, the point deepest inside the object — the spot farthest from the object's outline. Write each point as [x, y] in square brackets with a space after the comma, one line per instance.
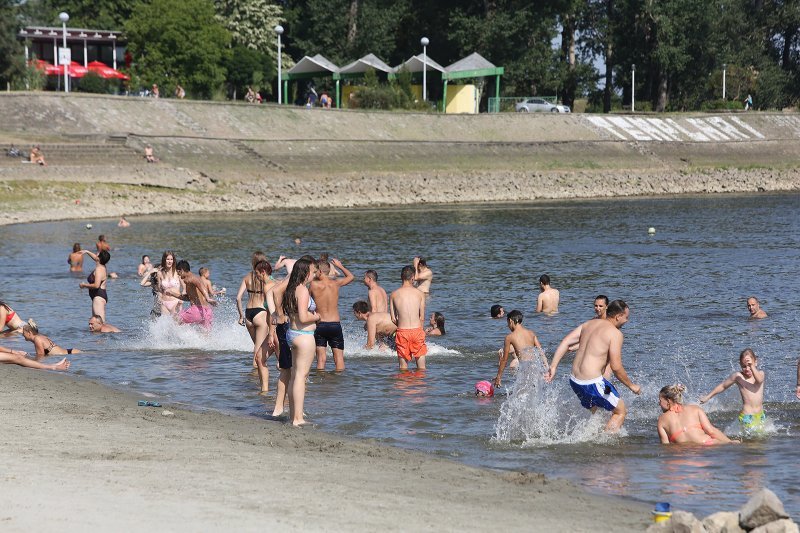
[93, 83]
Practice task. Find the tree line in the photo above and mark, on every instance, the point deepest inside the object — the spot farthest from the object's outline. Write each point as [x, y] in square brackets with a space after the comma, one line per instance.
[569, 48]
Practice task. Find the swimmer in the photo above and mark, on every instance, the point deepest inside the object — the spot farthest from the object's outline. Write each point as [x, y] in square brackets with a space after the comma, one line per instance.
[378, 301]
[102, 244]
[547, 301]
[75, 259]
[751, 387]
[522, 341]
[754, 307]
[300, 334]
[379, 326]
[325, 291]
[96, 282]
[44, 345]
[423, 275]
[9, 320]
[123, 223]
[484, 389]
[407, 309]
[285, 262]
[205, 273]
[497, 311]
[256, 318]
[436, 328]
[199, 310]
[96, 325]
[17, 357]
[600, 345]
[685, 424]
[144, 266]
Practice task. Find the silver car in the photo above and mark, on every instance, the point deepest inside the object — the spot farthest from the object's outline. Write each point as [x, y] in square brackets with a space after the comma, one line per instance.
[540, 105]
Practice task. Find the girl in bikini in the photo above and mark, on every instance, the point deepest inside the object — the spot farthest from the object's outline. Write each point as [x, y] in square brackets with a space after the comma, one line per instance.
[9, 320]
[256, 317]
[168, 279]
[300, 335]
[685, 424]
[96, 282]
[44, 345]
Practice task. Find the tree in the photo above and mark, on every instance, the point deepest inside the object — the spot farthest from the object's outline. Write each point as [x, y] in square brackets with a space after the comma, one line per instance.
[179, 41]
[248, 67]
[12, 60]
[251, 23]
[93, 14]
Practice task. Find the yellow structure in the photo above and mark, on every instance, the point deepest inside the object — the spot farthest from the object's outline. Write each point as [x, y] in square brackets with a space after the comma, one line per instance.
[462, 99]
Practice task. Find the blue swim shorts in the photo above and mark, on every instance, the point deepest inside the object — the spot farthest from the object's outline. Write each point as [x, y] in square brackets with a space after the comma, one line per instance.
[597, 392]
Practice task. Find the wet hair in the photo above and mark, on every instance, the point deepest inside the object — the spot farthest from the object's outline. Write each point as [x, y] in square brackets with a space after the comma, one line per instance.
[515, 316]
[407, 274]
[76, 247]
[98, 317]
[202, 270]
[145, 257]
[746, 352]
[361, 307]
[103, 257]
[439, 319]
[308, 258]
[617, 307]
[164, 256]
[421, 261]
[495, 310]
[673, 393]
[257, 256]
[602, 297]
[371, 274]
[183, 265]
[31, 329]
[544, 279]
[101, 238]
[299, 275]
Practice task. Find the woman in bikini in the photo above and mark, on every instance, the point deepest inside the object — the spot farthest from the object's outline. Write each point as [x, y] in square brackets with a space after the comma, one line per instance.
[44, 345]
[256, 317]
[685, 424]
[96, 282]
[168, 279]
[9, 320]
[300, 334]
[75, 259]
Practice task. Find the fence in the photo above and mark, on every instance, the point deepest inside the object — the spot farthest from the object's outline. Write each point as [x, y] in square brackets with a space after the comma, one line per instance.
[505, 104]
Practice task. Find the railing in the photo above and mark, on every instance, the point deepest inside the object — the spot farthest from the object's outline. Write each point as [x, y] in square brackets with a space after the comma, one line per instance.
[505, 104]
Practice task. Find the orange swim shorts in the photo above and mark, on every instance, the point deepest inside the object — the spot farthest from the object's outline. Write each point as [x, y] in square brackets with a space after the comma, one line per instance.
[411, 343]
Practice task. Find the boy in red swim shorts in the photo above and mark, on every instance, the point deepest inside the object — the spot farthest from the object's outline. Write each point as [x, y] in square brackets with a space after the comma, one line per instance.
[407, 309]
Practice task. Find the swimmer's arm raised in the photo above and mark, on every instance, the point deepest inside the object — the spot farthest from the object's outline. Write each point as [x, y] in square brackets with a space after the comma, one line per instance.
[90, 254]
[758, 375]
[572, 338]
[348, 276]
[721, 387]
[615, 359]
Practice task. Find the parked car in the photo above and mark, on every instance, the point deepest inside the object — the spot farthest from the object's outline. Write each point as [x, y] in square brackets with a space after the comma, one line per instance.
[539, 105]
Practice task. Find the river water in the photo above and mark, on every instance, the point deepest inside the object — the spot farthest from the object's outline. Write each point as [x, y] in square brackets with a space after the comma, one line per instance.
[686, 286]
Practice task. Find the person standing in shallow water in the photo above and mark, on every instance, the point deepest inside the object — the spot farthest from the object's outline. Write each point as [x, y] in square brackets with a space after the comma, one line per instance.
[407, 309]
[754, 308]
[75, 259]
[520, 341]
[96, 283]
[547, 301]
[256, 317]
[328, 332]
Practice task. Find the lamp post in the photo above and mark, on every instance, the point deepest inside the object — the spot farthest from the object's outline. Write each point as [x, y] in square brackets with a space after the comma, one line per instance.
[724, 75]
[64, 17]
[424, 42]
[279, 31]
[633, 88]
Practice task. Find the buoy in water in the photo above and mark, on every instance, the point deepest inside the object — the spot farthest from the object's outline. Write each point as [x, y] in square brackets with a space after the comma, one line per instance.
[88, 226]
[651, 231]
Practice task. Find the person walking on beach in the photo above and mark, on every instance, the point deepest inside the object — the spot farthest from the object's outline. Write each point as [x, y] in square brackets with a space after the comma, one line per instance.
[200, 302]
[96, 325]
[75, 259]
[600, 345]
[256, 318]
[96, 282]
[376, 295]
[547, 301]
[300, 335]
[407, 309]
[522, 341]
[751, 387]
[754, 307]
[18, 357]
[378, 325]
[328, 332]
[423, 275]
[685, 424]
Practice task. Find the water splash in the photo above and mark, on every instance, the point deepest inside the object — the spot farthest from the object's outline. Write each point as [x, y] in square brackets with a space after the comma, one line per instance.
[165, 334]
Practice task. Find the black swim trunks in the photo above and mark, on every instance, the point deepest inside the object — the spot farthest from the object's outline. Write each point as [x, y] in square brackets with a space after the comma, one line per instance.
[329, 334]
[285, 351]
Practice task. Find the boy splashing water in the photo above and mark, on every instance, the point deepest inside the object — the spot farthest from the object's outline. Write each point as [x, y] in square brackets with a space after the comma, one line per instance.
[751, 386]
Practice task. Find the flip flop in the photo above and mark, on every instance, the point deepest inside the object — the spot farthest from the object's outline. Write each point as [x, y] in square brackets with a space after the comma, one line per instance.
[143, 403]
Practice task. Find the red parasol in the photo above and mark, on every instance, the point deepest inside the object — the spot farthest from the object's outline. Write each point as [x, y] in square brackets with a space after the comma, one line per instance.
[49, 70]
[76, 70]
[104, 71]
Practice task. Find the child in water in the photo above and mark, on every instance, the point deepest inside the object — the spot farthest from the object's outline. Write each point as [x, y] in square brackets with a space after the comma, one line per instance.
[684, 424]
[521, 341]
[751, 386]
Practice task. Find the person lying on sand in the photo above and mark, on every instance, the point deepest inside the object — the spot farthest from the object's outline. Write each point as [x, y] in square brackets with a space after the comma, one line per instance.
[17, 357]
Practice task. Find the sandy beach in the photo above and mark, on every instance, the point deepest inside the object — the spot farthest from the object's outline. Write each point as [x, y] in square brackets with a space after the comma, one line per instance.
[78, 456]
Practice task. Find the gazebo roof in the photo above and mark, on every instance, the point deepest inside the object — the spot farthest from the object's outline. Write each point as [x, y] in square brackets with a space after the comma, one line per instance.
[360, 66]
[312, 67]
[415, 64]
[472, 66]
[73, 34]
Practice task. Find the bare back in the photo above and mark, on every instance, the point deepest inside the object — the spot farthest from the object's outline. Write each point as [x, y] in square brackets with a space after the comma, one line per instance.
[547, 301]
[196, 290]
[325, 292]
[598, 338]
[378, 301]
[408, 307]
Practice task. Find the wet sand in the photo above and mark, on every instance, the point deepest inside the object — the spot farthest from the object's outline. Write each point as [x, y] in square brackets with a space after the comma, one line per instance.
[77, 455]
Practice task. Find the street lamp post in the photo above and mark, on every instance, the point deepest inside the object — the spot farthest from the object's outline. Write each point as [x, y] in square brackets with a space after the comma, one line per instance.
[279, 31]
[424, 42]
[633, 88]
[724, 75]
[64, 17]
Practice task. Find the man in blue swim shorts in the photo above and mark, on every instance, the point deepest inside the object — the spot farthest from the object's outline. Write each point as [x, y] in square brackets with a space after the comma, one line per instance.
[599, 346]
